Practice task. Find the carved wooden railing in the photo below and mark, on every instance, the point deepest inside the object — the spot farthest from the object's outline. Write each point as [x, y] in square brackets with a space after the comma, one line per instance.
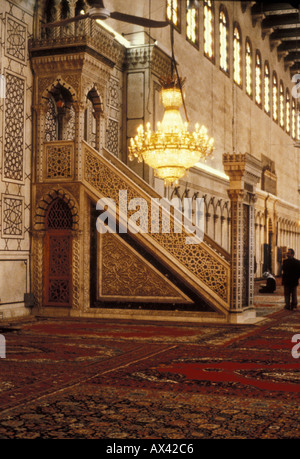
[87, 33]
[146, 187]
[204, 266]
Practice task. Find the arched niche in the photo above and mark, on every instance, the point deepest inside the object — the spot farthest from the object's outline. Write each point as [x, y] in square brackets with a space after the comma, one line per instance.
[60, 115]
[93, 111]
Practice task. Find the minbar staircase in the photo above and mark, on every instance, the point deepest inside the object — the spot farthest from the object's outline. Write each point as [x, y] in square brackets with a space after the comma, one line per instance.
[202, 268]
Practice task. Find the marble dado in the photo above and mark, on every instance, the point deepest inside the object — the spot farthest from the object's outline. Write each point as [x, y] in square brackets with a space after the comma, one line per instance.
[16, 25]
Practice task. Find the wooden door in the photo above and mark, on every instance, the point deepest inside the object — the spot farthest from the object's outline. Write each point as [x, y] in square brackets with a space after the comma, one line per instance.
[58, 256]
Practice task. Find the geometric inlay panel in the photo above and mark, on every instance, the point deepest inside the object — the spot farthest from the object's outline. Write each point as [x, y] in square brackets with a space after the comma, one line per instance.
[14, 128]
[59, 256]
[125, 274]
[198, 260]
[16, 39]
[59, 291]
[113, 94]
[12, 216]
[57, 264]
[59, 160]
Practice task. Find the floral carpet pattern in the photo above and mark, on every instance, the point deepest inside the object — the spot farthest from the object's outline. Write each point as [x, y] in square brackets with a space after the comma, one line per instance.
[80, 378]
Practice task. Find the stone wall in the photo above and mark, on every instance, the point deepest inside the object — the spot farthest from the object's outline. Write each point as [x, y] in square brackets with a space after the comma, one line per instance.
[235, 121]
[16, 22]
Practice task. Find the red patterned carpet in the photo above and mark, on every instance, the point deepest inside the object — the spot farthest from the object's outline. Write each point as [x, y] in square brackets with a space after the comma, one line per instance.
[137, 380]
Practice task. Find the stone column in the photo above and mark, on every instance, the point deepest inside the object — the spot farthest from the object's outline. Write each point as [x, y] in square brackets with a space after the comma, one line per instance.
[244, 173]
[98, 129]
[237, 222]
[79, 136]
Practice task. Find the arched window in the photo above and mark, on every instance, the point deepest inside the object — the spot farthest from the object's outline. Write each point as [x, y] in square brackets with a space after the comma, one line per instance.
[237, 57]
[281, 105]
[223, 29]
[208, 29]
[267, 88]
[288, 112]
[192, 20]
[298, 125]
[173, 12]
[248, 68]
[258, 78]
[293, 118]
[275, 97]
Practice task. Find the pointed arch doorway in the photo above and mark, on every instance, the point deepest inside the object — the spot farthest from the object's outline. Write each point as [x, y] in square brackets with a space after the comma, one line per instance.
[58, 255]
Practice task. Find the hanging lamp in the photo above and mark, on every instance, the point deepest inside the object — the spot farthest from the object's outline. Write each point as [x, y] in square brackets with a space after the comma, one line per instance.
[171, 150]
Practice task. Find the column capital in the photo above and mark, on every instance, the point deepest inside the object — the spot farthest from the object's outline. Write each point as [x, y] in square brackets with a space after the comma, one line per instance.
[80, 106]
[244, 171]
[236, 194]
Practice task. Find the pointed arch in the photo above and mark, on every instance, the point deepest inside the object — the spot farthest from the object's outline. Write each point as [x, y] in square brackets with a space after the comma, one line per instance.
[59, 80]
[43, 206]
[92, 93]
[59, 98]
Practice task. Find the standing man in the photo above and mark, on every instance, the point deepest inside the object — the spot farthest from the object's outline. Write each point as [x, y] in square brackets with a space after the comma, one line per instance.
[290, 279]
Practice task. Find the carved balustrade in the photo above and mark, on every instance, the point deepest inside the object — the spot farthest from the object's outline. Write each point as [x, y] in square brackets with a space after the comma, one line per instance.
[204, 265]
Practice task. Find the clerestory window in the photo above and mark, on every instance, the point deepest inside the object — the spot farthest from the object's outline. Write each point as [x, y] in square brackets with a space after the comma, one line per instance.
[237, 56]
[209, 29]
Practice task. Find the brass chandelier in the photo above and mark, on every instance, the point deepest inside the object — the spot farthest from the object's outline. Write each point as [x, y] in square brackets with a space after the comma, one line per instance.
[171, 150]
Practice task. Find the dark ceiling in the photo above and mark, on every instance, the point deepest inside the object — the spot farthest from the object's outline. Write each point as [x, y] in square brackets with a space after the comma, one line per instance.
[280, 22]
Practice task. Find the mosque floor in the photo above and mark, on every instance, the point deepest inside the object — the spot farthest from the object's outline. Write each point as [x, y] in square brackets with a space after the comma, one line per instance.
[92, 379]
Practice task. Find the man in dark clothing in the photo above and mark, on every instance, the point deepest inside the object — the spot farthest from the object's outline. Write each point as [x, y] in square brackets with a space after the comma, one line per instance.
[270, 286]
[290, 279]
